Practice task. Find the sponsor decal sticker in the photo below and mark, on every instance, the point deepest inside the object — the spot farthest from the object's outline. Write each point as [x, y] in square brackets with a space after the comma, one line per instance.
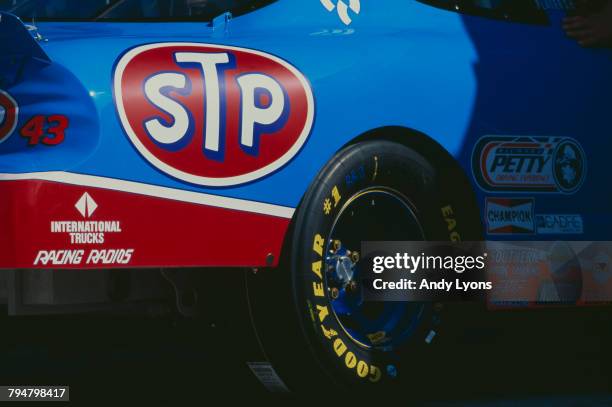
[9, 111]
[212, 115]
[121, 212]
[85, 231]
[559, 224]
[86, 205]
[534, 164]
[343, 9]
[568, 166]
[518, 216]
[48, 131]
[510, 216]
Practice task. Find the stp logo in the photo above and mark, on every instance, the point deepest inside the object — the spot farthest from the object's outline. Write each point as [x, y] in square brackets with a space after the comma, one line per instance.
[8, 115]
[212, 115]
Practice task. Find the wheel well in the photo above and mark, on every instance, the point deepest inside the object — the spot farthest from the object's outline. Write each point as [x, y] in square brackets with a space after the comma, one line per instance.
[419, 142]
[454, 180]
[434, 153]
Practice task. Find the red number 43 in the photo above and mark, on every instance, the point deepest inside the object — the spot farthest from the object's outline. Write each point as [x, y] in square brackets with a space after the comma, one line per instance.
[48, 130]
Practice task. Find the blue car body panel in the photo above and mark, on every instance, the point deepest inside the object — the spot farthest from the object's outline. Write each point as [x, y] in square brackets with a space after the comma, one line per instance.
[453, 77]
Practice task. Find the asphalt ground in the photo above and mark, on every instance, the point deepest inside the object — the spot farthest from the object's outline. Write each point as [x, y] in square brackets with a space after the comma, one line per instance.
[557, 357]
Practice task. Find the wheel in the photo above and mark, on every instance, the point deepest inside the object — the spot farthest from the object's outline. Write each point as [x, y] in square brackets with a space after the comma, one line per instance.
[310, 314]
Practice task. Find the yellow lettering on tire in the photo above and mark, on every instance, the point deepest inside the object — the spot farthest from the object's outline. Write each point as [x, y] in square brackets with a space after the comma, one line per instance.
[318, 244]
[375, 374]
[323, 312]
[452, 224]
[328, 333]
[350, 360]
[318, 289]
[336, 196]
[316, 268]
[362, 369]
[339, 347]
[449, 216]
[447, 211]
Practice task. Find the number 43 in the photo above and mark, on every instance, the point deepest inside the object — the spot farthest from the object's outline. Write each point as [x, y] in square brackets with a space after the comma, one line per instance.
[48, 130]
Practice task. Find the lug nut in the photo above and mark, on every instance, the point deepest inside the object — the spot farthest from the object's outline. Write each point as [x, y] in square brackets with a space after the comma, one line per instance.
[336, 245]
[334, 292]
[351, 286]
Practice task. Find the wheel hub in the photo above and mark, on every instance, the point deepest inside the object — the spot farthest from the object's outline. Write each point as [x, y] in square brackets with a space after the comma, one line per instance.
[372, 215]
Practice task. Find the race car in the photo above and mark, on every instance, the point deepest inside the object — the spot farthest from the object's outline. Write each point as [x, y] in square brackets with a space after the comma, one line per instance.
[152, 142]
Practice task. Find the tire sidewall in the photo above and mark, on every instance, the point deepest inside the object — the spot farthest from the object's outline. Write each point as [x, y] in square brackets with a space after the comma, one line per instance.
[374, 164]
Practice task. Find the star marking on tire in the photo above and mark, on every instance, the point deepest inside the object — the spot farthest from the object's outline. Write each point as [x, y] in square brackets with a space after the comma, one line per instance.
[327, 206]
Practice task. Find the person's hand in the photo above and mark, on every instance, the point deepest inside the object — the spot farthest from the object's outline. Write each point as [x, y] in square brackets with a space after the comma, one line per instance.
[591, 31]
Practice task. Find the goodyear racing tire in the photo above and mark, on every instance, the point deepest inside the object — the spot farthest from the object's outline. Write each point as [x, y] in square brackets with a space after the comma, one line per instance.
[311, 323]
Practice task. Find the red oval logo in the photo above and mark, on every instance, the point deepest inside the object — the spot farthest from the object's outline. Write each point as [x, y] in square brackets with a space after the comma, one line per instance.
[8, 115]
[212, 115]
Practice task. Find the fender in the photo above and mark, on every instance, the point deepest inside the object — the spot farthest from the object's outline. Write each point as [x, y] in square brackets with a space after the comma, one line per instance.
[17, 49]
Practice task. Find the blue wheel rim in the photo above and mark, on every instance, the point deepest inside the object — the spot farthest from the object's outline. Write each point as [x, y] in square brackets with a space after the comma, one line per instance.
[371, 215]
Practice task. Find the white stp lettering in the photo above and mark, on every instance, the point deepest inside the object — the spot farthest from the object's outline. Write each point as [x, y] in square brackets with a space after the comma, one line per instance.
[209, 64]
[153, 90]
[251, 113]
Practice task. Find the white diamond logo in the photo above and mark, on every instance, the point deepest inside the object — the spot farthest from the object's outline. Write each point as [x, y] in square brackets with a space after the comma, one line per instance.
[86, 205]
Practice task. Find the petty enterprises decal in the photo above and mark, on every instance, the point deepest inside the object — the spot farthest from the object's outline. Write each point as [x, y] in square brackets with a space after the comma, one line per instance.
[534, 164]
[212, 115]
[9, 111]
